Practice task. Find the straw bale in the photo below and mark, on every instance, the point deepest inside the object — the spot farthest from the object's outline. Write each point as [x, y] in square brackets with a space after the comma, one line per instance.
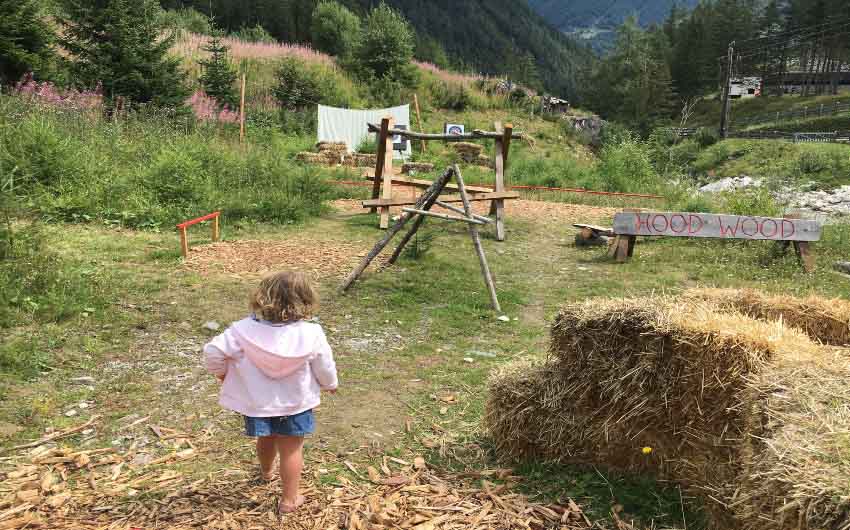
[325, 159]
[416, 167]
[360, 160]
[730, 407]
[824, 320]
[334, 147]
[468, 151]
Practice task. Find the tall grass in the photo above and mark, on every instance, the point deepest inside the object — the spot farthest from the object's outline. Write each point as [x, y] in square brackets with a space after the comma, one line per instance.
[148, 171]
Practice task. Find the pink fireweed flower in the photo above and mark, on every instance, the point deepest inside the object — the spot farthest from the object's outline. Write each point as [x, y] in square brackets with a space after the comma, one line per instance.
[207, 109]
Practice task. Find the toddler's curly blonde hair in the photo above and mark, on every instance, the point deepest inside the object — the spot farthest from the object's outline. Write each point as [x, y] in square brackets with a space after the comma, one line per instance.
[285, 297]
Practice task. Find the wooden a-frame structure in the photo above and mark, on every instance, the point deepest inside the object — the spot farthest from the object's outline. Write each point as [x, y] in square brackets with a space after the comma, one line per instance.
[422, 209]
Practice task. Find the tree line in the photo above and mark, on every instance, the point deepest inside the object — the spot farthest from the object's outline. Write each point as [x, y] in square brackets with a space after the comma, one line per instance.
[650, 72]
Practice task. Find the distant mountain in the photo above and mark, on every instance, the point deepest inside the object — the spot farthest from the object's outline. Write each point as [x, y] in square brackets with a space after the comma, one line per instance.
[594, 21]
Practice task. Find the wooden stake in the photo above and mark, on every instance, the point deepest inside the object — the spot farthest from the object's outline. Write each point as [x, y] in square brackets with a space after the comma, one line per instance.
[216, 229]
[184, 242]
[242, 112]
[807, 259]
[419, 120]
[476, 241]
[425, 201]
[497, 207]
[455, 209]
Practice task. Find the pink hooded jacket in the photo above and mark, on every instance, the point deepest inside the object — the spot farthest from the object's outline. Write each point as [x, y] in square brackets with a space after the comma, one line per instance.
[271, 370]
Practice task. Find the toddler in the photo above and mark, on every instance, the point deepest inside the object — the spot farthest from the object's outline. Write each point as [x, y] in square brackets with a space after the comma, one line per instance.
[273, 366]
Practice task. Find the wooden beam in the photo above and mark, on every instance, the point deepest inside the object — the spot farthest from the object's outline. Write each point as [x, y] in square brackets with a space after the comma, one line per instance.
[216, 229]
[406, 201]
[443, 216]
[381, 155]
[498, 206]
[425, 184]
[474, 135]
[425, 201]
[476, 241]
[184, 242]
[455, 209]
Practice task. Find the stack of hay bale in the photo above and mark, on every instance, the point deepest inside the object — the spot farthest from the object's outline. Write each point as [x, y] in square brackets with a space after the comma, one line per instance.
[361, 160]
[468, 152]
[413, 168]
[329, 154]
[750, 414]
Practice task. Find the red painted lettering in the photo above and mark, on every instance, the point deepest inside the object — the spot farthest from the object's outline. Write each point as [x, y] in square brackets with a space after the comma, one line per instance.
[692, 220]
[725, 229]
[639, 222]
[682, 227]
[655, 225]
[788, 229]
[744, 226]
[775, 228]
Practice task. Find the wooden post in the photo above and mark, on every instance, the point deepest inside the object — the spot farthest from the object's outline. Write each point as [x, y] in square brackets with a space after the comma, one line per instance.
[242, 112]
[216, 229]
[497, 207]
[379, 160]
[476, 241]
[419, 120]
[184, 242]
[387, 186]
[807, 259]
[430, 195]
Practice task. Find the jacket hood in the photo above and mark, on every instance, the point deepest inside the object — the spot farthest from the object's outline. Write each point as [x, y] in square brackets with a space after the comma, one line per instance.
[278, 351]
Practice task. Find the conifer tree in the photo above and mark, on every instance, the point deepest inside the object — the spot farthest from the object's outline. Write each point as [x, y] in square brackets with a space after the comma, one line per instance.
[25, 40]
[219, 75]
[121, 45]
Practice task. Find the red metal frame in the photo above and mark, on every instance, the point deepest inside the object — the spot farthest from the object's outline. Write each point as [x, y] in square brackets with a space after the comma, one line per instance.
[207, 217]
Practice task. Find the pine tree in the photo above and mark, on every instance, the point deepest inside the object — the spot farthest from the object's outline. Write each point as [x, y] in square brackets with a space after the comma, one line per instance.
[25, 40]
[120, 44]
[219, 75]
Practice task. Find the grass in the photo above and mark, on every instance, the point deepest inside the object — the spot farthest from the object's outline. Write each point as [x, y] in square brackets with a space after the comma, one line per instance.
[707, 112]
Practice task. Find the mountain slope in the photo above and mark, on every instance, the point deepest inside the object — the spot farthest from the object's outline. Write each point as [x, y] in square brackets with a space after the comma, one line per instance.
[595, 20]
[489, 34]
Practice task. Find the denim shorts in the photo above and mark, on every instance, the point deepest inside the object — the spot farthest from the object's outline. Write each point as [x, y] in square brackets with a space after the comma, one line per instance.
[300, 424]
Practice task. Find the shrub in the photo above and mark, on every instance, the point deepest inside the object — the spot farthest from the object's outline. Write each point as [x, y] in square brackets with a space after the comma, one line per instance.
[628, 167]
[706, 137]
[187, 19]
[219, 76]
[254, 34]
[297, 86]
[811, 162]
[750, 201]
[450, 96]
[335, 28]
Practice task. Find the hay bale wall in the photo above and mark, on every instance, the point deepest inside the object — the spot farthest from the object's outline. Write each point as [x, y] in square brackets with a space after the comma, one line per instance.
[825, 320]
[713, 394]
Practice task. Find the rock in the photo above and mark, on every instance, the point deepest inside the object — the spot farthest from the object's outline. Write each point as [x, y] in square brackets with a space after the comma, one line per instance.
[84, 380]
[469, 360]
[504, 318]
[71, 413]
[488, 354]
[842, 266]
[731, 184]
[212, 326]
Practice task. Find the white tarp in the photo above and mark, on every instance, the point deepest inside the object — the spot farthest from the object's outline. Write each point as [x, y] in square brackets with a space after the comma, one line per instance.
[352, 126]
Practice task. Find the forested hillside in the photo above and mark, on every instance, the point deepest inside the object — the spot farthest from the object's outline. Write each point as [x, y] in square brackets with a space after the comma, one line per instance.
[486, 36]
[596, 21]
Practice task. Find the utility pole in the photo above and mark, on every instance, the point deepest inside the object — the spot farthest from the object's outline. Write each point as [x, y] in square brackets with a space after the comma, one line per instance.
[727, 88]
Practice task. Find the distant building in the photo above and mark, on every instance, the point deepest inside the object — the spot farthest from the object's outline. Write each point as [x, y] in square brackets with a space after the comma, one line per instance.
[745, 87]
[555, 105]
[827, 83]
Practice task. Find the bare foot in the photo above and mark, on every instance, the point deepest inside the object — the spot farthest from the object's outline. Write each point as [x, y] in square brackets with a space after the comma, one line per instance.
[286, 507]
[268, 477]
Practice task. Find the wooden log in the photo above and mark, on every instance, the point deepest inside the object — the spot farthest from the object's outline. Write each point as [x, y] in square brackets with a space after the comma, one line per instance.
[807, 259]
[601, 230]
[379, 159]
[407, 201]
[476, 241]
[443, 216]
[425, 201]
[425, 184]
[503, 144]
[474, 135]
[455, 209]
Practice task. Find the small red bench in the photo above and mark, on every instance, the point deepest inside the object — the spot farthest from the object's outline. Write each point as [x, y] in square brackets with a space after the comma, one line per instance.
[183, 227]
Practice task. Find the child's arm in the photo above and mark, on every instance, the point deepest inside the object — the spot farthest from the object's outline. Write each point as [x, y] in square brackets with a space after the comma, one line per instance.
[323, 365]
[218, 351]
